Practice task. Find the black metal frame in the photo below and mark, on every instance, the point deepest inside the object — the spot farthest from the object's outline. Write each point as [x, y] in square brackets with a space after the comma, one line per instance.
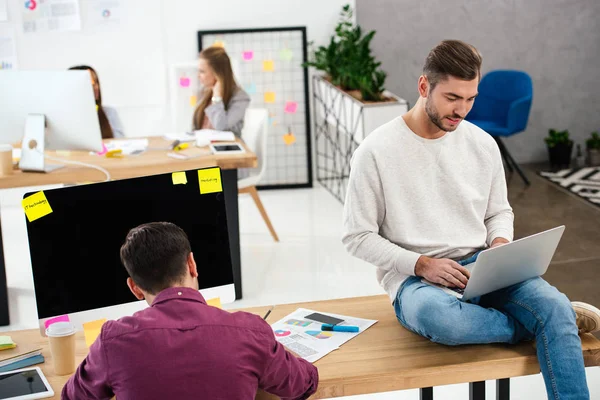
[4, 315]
[509, 161]
[302, 29]
[476, 390]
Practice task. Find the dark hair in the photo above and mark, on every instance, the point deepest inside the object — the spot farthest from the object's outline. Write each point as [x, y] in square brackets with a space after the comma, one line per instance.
[155, 255]
[454, 58]
[105, 128]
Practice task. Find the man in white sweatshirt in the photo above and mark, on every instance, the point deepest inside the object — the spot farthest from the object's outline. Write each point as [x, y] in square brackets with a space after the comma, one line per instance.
[427, 190]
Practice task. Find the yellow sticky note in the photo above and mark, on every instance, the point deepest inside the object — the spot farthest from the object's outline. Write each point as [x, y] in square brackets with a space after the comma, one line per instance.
[270, 97]
[216, 302]
[179, 178]
[8, 347]
[219, 43]
[92, 330]
[268, 65]
[193, 100]
[210, 180]
[289, 138]
[36, 206]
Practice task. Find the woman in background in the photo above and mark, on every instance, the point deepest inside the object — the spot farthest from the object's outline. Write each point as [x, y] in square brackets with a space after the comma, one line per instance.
[110, 124]
[223, 103]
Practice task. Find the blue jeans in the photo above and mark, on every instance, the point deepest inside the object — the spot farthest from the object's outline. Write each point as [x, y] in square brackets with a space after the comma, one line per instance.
[529, 310]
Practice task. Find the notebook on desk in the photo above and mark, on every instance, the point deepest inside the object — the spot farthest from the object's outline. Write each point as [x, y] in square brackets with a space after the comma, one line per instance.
[19, 353]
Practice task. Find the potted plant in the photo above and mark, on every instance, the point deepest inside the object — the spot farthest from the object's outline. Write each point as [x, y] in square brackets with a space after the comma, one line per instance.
[560, 147]
[350, 94]
[593, 149]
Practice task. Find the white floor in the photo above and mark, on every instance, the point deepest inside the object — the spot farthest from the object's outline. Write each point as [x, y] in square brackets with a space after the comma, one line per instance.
[309, 263]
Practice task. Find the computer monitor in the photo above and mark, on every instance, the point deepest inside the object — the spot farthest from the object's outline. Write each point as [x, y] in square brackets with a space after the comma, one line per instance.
[53, 110]
[75, 249]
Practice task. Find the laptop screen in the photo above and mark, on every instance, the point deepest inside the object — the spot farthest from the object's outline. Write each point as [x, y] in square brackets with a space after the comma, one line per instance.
[75, 249]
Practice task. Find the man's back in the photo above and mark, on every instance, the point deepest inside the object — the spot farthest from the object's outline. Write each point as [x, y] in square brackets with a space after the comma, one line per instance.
[180, 348]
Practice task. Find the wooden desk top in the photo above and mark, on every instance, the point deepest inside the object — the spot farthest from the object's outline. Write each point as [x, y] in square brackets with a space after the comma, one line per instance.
[385, 357]
[151, 162]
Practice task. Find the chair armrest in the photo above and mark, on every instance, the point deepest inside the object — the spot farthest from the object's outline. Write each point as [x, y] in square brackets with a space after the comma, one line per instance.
[518, 114]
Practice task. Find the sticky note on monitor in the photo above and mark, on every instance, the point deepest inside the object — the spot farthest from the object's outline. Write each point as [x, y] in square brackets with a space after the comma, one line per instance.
[210, 180]
[92, 330]
[36, 206]
[62, 318]
[291, 107]
[216, 302]
[179, 178]
[269, 97]
[268, 66]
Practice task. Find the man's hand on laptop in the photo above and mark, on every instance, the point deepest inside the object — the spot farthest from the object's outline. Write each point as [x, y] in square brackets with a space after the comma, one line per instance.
[499, 241]
[442, 271]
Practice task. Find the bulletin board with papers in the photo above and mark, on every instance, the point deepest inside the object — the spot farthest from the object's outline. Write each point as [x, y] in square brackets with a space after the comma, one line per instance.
[268, 66]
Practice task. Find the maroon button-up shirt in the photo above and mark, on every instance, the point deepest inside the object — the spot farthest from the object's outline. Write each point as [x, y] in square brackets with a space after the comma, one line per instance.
[180, 348]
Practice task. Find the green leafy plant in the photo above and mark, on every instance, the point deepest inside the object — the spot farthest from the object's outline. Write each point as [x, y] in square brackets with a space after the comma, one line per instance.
[558, 138]
[347, 60]
[593, 142]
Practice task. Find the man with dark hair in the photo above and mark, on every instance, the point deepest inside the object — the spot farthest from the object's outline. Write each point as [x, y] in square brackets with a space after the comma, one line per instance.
[426, 191]
[179, 347]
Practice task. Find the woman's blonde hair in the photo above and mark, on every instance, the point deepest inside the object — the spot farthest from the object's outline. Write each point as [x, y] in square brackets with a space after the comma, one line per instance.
[218, 60]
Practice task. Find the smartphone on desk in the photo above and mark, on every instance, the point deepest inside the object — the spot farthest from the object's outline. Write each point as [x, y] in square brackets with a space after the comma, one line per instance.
[226, 148]
[325, 319]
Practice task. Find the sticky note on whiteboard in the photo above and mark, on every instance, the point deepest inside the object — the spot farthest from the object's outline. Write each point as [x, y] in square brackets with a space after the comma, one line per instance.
[36, 206]
[268, 65]
[291, 107]
[210, 180]
[248, 55]
[269, 97]
[193, 100]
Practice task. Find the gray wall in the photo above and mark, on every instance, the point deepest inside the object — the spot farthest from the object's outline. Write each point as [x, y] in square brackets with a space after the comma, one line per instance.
[556, 41]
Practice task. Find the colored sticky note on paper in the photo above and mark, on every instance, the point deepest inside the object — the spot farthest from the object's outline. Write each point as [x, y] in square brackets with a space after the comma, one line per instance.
[286, 54]
[216, 302]
[92, 330]
[289, 138]
[250, 88]
[7, 340]
[36, 206]
[268, 65]
[62, 318]
[210, 180]
[193, 100]
[291, 107]
[248, 55]
[270, 97]
[179, 178]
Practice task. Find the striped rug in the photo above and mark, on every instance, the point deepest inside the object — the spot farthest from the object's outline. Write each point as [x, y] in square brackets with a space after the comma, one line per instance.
[584, 182]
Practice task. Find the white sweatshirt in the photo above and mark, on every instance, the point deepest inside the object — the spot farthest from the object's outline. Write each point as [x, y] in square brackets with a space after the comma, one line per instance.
[409, 196]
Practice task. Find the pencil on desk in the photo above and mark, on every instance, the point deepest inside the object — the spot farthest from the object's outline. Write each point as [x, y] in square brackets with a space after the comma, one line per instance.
[268, 312]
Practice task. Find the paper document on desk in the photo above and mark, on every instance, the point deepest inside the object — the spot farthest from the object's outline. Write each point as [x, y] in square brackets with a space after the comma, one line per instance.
[128, 146]
[215, 136]
[305, 338]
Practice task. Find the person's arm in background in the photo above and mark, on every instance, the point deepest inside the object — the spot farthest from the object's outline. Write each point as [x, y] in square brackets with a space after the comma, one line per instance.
[114, 121]
[231, 119]
[90, 380]
[499, 217]
[286, 375]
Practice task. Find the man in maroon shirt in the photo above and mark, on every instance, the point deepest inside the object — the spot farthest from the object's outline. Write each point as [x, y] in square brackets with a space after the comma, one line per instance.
[180, 348]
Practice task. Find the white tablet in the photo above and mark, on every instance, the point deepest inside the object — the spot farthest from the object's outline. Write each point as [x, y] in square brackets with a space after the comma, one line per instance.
[24, 384]
[226, 148]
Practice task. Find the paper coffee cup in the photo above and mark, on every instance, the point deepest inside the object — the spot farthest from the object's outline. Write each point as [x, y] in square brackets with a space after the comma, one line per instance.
[61, 336]
[6, 159]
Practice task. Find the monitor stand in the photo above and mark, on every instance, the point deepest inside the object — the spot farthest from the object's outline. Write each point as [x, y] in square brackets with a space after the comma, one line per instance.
[33, 146]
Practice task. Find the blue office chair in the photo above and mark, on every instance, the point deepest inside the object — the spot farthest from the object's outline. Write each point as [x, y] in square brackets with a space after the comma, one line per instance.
[502, 109]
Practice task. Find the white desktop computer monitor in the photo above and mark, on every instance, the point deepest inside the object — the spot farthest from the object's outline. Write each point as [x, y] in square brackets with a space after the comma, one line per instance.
[48, 110]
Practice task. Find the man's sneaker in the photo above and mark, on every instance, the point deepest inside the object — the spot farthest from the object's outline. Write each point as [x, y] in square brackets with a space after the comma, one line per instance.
[588, 317]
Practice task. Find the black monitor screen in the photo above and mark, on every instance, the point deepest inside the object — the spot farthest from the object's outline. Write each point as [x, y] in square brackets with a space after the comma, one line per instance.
[75, 249]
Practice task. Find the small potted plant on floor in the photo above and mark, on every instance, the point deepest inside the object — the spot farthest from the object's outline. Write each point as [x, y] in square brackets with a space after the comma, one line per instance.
[560, 147]
[593, 149]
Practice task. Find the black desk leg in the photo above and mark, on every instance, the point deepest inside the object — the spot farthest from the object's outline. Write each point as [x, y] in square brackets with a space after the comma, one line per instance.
[426, 393]
[503, 389]
[4, 319]
[233, 224]
[477, 390]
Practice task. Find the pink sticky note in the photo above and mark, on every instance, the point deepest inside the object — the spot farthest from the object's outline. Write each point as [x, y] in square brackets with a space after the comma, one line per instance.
[184, 81]
[248, 55]
[104, 150]
[62, 318]
[291, 107]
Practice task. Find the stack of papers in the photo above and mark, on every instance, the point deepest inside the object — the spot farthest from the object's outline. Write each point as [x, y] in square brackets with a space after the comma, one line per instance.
[305, 338]
[208, 135]
[20, 357]
[128, 146]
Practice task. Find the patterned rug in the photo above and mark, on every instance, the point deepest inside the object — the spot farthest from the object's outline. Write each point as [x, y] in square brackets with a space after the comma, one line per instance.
[584, 182]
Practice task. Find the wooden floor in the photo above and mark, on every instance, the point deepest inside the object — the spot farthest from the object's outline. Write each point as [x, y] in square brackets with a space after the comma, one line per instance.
[575, 269]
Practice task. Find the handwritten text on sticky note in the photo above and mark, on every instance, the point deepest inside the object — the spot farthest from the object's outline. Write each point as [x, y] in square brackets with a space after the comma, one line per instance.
[270, 97]
[210, 180]
[92, 330]
[291, 107]
[36, 206]
[62, 318]
[179, 178]
[268, 65]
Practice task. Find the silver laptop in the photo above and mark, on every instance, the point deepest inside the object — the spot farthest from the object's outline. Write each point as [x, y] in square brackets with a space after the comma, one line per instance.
[509, 264]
